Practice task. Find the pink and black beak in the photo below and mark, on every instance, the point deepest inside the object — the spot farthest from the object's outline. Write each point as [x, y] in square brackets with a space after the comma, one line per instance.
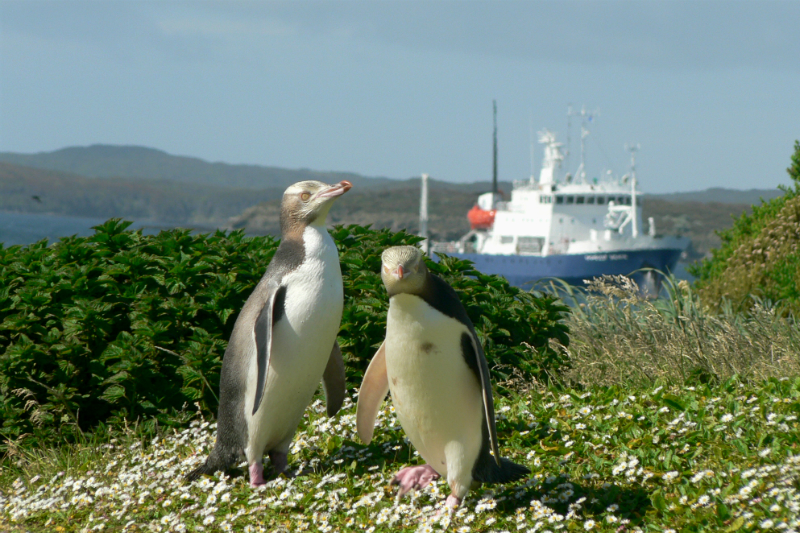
[336, 190]
[399, 273]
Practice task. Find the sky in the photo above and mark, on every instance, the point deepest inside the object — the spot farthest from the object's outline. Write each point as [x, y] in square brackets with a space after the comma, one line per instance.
[707, 89]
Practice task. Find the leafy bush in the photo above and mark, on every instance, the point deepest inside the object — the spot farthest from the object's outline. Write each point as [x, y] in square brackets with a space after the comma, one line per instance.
[759, 255]
[122, 326]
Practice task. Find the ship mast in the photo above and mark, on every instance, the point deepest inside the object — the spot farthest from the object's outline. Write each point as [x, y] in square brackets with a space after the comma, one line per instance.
[494, 156]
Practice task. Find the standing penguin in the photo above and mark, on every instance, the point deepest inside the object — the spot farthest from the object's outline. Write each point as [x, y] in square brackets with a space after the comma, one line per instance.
[284, 340]
[433, 363]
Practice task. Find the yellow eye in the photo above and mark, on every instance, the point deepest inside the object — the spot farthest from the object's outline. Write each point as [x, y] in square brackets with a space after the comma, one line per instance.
[305, 196]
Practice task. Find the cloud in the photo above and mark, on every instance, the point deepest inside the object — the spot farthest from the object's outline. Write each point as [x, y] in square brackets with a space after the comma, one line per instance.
[661, 34]
[664, 34]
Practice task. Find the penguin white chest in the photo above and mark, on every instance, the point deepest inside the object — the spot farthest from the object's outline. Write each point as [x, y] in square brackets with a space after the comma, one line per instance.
[302, 340]
[437, 397]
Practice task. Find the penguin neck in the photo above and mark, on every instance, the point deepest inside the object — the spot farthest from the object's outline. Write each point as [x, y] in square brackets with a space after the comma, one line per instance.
[316, 240]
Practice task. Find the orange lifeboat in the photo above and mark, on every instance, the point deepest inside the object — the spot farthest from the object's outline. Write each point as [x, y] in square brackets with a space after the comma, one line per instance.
[480, 218]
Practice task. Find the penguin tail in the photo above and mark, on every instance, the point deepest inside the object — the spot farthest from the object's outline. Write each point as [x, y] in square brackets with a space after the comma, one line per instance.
[199, 471]
[213, 463]
[488, 471]
[510, 471]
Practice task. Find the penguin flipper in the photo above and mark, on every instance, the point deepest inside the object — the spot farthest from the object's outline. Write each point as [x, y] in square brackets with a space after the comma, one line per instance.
[374, 388]
[469, 342]
[333, 381]
[263, 334]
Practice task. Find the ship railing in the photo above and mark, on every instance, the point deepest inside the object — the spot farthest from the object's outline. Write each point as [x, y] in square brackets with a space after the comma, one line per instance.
[446, 247]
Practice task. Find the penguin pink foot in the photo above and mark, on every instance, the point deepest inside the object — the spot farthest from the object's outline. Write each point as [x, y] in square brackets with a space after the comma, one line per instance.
[452, 503]
[414, 477]
[257, 474]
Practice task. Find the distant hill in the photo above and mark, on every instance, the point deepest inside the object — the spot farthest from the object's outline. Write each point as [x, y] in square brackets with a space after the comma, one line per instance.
[449, 203]
[107, 161]
[720, 196]
[394, 209]
[147, 184]
[32, 190]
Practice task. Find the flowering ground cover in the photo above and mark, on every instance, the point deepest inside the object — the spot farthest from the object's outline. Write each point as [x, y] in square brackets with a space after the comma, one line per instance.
[657, 459]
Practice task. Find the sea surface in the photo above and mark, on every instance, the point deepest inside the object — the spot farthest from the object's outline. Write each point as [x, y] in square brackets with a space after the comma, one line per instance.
[28, 228]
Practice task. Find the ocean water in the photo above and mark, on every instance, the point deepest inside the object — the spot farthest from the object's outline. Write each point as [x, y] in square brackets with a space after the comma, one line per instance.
[27, 228]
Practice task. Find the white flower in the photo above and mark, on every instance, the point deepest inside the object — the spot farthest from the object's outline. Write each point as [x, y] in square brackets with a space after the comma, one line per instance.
[208, 520]
[589, 524]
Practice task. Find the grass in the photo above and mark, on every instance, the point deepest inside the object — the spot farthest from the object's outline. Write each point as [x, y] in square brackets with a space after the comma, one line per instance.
[617, 337]
[723, 457]
[672, 418]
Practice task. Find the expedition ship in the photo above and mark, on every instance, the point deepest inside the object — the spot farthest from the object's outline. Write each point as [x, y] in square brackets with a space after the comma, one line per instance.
[564, 227]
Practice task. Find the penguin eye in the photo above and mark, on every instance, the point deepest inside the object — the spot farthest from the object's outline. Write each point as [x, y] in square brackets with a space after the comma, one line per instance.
[305, 196]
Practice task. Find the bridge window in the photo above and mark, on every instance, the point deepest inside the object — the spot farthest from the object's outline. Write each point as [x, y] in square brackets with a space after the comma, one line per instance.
[559, 199]
[580, 199]
[601, 200]
[590, 200]
[570, 200]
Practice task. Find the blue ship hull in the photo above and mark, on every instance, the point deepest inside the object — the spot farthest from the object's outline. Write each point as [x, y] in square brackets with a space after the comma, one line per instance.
[524, 270]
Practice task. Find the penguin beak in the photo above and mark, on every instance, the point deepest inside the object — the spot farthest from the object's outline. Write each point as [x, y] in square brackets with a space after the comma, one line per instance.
[336, 190]
[399, 271]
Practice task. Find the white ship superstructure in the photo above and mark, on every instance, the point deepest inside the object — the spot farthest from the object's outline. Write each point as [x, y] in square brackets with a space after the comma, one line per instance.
[552, 216]
[564, 226]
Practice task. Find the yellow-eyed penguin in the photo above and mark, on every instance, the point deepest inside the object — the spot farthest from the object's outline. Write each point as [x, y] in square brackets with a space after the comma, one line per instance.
[434, 366]
[284, 340]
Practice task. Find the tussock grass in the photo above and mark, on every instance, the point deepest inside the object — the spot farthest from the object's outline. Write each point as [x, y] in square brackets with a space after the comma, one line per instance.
[619, 337]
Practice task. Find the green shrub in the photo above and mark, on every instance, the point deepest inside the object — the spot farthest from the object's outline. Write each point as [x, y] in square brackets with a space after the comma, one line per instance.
[759, 256]
[122, 326]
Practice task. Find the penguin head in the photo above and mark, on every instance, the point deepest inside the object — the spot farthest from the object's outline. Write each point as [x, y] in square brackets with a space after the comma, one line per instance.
[403, 270]
[308, 202]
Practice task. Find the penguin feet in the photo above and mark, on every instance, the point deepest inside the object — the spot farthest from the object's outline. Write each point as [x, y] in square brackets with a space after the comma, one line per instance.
[414, 477]
[257, 474]
[452, 503]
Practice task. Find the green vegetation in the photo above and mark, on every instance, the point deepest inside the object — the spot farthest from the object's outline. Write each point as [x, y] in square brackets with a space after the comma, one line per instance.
[633, 415]
[123, 326]
[759, 256]
[619, 338]
[705, 458]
